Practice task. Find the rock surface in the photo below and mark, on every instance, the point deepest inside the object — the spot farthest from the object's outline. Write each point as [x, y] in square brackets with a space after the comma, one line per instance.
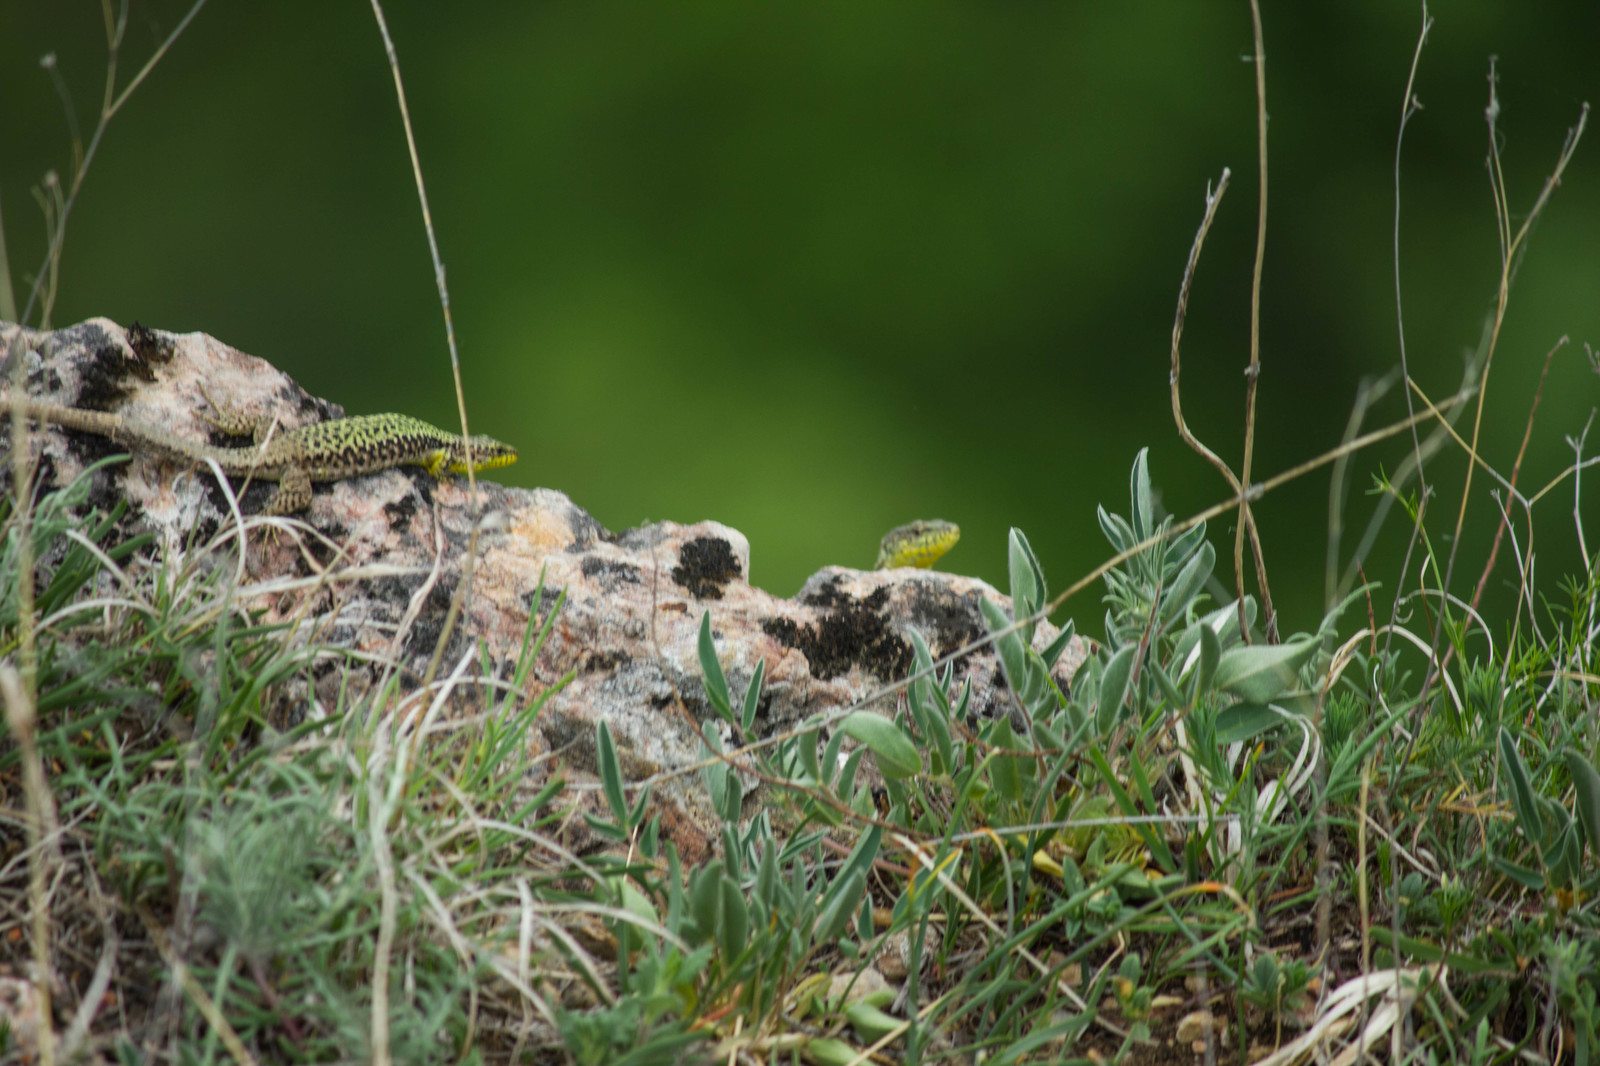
[634, 600]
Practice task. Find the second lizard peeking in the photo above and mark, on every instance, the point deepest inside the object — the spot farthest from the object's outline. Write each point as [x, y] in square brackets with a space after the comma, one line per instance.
[918, 544]
[294, 458]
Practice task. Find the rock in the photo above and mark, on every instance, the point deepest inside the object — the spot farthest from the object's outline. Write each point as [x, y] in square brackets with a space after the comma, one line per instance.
[1192, 1026]
[629, 628]
[846, 988]
[894, 961]
[21, 1011]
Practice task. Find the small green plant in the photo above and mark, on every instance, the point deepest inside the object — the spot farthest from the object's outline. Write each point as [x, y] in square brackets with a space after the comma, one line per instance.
[1133, 996]
[1557, 837]
[1453, 903]
[1281, 988]
[1572, 965]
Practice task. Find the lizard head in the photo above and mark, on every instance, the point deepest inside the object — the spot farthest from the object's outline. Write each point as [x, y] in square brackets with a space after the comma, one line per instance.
[917, 544]
[487, 454]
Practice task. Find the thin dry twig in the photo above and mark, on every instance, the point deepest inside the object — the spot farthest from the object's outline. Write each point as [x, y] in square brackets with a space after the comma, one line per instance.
[1511, 246]
[1473, 458]
[111, 942]
[8, 296]
[1368, 393]
[1516, 469]
[1409, 106]
[111, 102]
[20, 722]
[64, 94]
[464, 587]
[22, 493]
[1213, 201]
[381, 773]
[1414, 464]
[1511, 249]
[1577, 492]
[1247, 524]
[203, 1002]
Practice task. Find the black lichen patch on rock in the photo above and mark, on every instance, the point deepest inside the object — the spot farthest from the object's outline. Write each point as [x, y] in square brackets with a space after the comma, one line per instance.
[609, 574]
[544, 598]
[149, 345]
[311, 408]
[399, 512]
[422, 481]
[45, 477]
[102, 383]
[949, 620]
[103, 492]
[206, 530]
[90, 448]
[393, 591]
[852, 633]
[705, 565]
[252, 493]
[586, 530]
[325, 549]
[607, 661]
[430, 620]
[828, 595]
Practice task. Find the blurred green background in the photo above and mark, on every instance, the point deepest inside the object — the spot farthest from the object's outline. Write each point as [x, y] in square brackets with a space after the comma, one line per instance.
[815, 270]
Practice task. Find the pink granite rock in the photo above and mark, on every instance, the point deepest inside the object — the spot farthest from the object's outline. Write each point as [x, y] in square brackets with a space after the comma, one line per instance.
[634, 600]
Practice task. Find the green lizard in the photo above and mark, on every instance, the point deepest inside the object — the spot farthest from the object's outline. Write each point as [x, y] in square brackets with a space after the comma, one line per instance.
[918, 543]
[294, 458]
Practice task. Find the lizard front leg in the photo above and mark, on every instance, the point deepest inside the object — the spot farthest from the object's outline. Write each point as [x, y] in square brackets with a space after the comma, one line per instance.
[293, 494]
[236, 422]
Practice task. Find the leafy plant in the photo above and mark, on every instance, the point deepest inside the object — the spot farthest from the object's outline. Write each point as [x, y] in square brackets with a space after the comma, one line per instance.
[1281, 988]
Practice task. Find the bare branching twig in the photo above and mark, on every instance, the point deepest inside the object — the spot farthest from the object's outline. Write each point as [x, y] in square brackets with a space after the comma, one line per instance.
[1516, 469]
[116, 25]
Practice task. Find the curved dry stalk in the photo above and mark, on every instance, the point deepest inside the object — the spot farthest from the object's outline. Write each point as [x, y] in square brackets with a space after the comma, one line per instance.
[1246, 521]
[1213, 201]
[1410, 106]
[1512, 247]
[1368, 393]
[111, 103]
[1247, 524]
[197, 993]
[1516, 469]
[20, 720]
[1399, 989]
[1414, 465]
[464, 587]
[1577, 492]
